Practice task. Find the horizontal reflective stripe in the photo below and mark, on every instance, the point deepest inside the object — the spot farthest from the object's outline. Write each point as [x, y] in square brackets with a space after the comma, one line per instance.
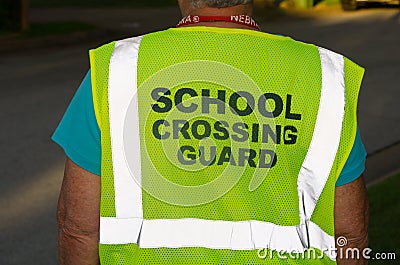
[247, 235]
[321, 240]
[119, 230]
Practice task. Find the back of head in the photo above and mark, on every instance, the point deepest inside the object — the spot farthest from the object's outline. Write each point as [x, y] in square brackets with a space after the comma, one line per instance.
[219, 3]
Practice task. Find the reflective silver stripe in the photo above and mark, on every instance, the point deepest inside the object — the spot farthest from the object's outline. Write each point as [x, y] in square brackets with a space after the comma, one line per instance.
[247, 235]
[321, 154]
[122, 90]
[119, 230]
[129, 226]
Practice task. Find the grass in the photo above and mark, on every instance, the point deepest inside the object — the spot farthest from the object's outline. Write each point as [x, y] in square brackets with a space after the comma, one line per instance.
[385, 219]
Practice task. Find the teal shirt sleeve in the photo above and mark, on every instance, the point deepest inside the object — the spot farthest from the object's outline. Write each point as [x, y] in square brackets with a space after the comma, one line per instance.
[355, 164]
[79, 135]
[78, 132]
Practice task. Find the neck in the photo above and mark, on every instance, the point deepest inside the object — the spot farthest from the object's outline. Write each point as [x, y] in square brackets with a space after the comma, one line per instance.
[227, 11]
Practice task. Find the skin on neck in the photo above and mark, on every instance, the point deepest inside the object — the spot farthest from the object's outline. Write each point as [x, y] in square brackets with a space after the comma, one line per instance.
[188, 9]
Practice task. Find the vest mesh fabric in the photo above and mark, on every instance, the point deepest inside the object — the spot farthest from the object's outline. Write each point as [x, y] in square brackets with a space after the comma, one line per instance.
[276, 64]
[352, 77]
[271, 71]
[100, 61]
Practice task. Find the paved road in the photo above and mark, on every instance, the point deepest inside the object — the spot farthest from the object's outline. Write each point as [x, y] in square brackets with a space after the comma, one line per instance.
[36, 87]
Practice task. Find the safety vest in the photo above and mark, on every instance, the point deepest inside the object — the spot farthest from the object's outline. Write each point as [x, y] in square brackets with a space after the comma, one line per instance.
[221, 146]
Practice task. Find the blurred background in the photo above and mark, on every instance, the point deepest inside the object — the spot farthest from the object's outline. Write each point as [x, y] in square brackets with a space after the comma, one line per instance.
[44, 56]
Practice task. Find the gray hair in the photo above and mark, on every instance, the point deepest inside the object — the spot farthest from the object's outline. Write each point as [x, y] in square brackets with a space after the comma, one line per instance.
[219, 3]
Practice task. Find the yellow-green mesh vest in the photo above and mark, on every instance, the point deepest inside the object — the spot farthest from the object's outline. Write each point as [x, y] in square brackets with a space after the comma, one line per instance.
[279, 65]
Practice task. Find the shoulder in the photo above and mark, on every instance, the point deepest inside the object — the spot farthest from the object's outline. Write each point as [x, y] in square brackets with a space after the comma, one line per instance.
[110, 46]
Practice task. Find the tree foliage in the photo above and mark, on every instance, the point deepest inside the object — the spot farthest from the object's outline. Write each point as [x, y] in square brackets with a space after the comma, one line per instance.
[13, 15]
[10, 15]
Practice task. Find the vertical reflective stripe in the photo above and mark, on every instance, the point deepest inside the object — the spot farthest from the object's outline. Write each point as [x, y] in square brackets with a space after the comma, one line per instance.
[326, 137]
[122, 90]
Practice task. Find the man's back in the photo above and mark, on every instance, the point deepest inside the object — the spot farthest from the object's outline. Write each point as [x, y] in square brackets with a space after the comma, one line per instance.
[229, 124]
[219, 145]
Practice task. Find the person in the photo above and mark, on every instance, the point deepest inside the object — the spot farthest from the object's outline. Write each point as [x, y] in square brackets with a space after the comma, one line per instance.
[213, 143]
